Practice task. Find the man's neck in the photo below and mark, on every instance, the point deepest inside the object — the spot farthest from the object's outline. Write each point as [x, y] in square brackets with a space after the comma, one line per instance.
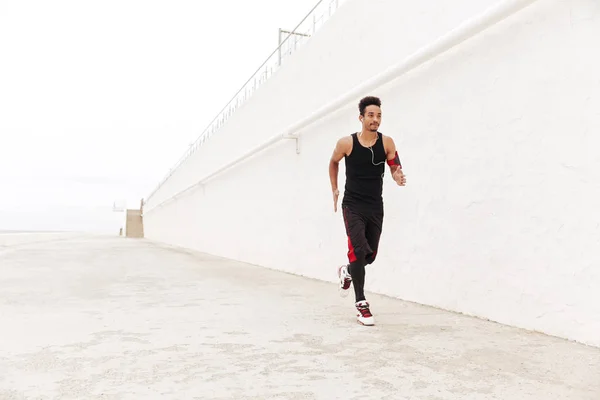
[368, 135]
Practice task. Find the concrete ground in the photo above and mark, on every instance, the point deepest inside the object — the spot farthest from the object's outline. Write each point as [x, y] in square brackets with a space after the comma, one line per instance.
[90, 317]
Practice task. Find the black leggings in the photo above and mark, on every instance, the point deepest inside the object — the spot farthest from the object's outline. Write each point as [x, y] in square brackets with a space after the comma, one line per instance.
[363, 231]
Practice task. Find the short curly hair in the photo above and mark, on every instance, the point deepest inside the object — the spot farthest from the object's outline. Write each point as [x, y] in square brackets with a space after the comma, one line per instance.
[368, 101]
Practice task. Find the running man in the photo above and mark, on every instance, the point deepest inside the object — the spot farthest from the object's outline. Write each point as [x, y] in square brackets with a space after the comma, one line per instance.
[366, 154]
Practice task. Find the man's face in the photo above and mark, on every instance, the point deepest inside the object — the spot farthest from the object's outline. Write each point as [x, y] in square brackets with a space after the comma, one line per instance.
[372, 118]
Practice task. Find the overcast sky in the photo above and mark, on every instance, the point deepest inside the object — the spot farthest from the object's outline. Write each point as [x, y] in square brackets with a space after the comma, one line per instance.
[98, 99]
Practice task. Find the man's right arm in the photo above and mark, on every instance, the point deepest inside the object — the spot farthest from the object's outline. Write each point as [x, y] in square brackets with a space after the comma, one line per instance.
[341, 149]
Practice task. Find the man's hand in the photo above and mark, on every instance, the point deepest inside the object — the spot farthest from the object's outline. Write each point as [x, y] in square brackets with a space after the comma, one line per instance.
[399, 177]
[336, 194]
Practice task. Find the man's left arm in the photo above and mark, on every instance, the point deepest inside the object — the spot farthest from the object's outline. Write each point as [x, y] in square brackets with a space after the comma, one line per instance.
[393, 160]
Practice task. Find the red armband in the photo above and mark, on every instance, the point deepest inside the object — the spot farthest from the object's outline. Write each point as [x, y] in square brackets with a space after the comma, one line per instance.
[394, 161]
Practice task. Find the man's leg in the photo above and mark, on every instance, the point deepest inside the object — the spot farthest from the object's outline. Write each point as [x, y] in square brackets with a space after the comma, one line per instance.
[373, 229]
[358, 248]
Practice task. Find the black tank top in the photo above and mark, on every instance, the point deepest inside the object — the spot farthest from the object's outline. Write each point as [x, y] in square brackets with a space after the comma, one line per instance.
[365, 168]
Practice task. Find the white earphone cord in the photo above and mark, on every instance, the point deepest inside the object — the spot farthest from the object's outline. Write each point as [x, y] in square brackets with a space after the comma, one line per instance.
[379, 163]
[373, 157]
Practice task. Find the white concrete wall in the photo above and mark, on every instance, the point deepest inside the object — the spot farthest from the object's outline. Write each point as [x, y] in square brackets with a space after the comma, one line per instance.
[349, 49]
[498, 138]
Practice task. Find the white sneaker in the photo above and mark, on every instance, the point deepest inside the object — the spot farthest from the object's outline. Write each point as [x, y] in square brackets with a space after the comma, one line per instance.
[364, 315]
[345, 280]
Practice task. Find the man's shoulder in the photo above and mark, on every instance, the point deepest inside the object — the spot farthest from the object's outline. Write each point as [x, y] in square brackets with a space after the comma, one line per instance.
[388, 141]
[345, 140]
[343, 145]
[386, 138]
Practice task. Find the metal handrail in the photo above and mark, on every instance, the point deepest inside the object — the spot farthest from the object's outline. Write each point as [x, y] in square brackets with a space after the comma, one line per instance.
[465, 31]
[260, 76]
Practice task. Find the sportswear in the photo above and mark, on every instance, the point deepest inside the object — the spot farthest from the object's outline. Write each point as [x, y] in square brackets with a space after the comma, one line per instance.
[365, 168]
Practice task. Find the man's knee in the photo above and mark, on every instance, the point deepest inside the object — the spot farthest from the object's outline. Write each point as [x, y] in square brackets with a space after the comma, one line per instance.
[358, 249]
[370, 258]
[363, 252]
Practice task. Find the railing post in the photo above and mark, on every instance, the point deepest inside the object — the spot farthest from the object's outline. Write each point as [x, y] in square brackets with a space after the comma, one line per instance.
[279, 48]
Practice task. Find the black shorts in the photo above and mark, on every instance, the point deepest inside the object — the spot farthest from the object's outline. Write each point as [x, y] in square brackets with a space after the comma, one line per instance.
[363, 231]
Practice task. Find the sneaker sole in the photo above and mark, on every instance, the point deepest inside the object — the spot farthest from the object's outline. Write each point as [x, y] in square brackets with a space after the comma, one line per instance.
[365, 323]
[341, 287]
[343, 292]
